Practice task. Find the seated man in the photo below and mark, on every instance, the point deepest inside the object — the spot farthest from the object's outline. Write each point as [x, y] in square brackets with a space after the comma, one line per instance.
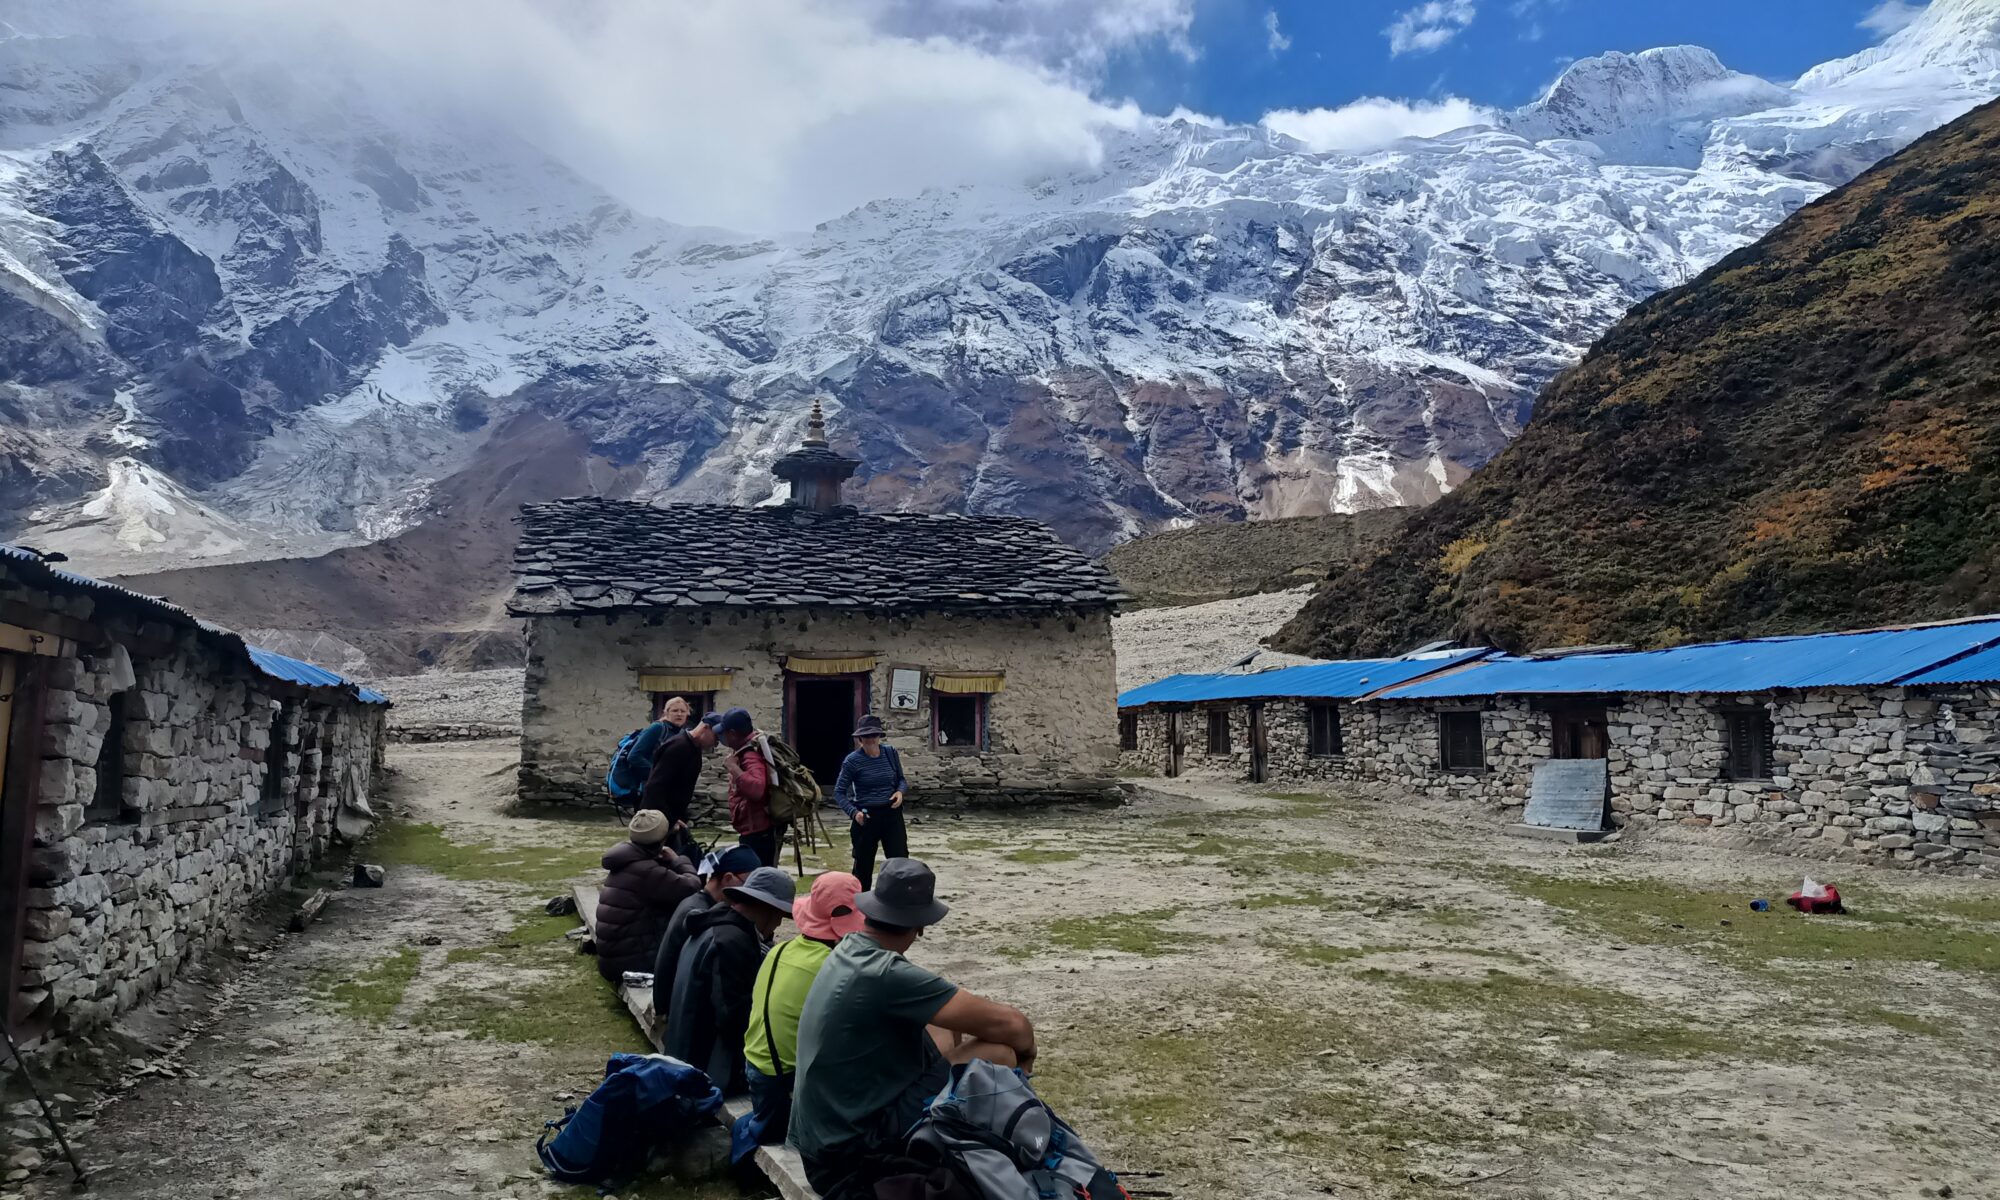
[771, 1045]
[711, 996]
[644, 884]
[879, 1033]
[719, 871]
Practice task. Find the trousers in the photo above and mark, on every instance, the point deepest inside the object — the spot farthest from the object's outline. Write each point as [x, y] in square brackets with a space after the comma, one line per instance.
[884, 829]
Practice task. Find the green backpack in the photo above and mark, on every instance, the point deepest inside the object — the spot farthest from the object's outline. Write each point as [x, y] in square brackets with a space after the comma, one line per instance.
[793, 794]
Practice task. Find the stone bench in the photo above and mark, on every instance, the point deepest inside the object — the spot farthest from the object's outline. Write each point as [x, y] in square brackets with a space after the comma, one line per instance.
[781, 1164]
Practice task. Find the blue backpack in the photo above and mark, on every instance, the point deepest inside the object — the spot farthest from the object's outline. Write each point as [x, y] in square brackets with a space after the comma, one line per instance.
[645, 1100]
[618, 779]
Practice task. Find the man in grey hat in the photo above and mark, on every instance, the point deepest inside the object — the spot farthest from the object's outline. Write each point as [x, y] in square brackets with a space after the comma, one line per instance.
[711, 995]
[879, 1033]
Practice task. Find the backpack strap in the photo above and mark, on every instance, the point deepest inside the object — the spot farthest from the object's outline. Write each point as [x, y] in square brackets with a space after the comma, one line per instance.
[771, 1042]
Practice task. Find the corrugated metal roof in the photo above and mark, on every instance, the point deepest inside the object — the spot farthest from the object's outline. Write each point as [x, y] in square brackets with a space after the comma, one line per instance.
[1983, 667]
[1862, 659]
[1326, 680]
[276, 666]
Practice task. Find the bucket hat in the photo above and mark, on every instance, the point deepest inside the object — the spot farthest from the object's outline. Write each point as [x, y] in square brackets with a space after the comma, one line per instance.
[870, 726]
[828, 911]
[767, 886]
[648, 827]
[905, 894]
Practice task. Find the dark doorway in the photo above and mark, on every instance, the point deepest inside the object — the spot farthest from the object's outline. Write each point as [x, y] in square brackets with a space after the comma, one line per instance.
[1260, 745]
[1173, 744]
[820, 715]
[1580, 732]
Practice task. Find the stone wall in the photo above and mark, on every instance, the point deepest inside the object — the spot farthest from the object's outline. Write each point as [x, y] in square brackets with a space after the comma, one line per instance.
[1886, 774]
[1051, 732]
[128, 883]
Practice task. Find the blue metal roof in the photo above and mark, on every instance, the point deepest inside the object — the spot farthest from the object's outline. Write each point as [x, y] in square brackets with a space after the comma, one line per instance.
[1328, 681]
[1983, 667]
[1865, 659]
[277, 666]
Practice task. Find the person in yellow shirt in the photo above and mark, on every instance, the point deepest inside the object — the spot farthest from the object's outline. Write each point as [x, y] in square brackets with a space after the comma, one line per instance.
[770, 1046]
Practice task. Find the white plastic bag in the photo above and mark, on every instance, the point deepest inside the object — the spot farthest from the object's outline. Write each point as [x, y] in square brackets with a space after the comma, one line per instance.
[1812, 889]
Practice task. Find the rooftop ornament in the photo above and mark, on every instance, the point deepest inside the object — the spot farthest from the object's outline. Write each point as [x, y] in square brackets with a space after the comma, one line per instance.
[814, 470]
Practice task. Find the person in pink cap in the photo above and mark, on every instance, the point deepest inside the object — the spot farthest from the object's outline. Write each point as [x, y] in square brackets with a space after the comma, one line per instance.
[770, 1046]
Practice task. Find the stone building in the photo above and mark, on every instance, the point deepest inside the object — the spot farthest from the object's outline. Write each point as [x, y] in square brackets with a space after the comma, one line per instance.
[160, 776]
[984, 643]
[1883, 744]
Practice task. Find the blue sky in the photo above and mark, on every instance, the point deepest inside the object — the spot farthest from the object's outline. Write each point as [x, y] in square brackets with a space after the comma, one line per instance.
[1228, 65]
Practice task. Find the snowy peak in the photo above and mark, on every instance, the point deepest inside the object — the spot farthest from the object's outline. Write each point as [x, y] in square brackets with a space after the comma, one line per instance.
[1953, 43]
[1651, 107]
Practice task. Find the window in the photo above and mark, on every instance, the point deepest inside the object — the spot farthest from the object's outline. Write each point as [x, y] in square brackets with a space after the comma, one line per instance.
[1746, 736]
[1579, 733]
[1128, 731]
[1323, 730]
[958, 720]
[702, 703]
[108, 802]
[1218, 731]
[1461, 741]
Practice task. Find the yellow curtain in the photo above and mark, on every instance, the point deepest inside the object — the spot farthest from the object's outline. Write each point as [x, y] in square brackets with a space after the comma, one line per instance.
[812, 664]
[686, 680]
[968, 683]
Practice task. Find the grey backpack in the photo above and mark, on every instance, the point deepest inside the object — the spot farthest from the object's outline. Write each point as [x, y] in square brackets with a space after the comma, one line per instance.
[990, 1128]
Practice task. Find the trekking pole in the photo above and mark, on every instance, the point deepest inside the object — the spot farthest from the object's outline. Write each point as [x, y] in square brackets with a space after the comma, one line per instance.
[82, 1181]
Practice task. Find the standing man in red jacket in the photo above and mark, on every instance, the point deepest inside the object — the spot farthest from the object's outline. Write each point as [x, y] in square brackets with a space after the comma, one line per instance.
[749, 783]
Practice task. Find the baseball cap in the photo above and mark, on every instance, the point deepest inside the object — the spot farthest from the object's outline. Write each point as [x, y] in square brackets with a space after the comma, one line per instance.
[736, 720]
[736, 860]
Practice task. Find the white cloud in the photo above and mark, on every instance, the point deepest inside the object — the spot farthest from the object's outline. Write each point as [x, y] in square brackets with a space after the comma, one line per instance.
[1373, 122]
[765, 116]
[1274, 38]
[1075, 37]
[1429, 25]
[1890, 16]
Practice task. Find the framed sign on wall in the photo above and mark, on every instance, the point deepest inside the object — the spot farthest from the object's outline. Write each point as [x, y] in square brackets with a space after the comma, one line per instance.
[904, 685]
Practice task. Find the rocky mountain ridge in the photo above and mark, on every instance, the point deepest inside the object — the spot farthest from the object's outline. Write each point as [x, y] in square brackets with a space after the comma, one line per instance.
[248, 312]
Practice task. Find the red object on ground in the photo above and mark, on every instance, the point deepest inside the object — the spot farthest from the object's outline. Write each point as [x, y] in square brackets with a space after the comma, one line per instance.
[1828, 901]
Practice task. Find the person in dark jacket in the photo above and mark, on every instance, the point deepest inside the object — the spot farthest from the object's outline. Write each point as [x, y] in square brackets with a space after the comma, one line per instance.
[645, 883]
[719, 871]
[870, 791]
[711, 997]
[676, 774]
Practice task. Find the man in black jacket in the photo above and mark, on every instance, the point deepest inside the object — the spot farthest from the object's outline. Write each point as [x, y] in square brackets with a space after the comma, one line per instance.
[719, 871]
[711, 996]
[676, 773]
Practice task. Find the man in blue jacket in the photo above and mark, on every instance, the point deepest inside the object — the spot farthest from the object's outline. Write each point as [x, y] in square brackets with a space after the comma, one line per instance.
[870, 791]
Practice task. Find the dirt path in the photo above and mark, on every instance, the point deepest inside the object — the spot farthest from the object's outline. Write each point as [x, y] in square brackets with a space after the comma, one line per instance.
[1238, 994]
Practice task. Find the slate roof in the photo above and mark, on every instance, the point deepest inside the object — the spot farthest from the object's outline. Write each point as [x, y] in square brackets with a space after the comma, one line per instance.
[596, 555]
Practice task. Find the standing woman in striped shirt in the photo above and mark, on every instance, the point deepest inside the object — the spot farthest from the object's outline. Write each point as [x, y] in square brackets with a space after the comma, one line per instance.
[870, 791]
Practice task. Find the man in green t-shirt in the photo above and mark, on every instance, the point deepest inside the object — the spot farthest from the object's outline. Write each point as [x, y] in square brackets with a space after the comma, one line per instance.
[878, 1033]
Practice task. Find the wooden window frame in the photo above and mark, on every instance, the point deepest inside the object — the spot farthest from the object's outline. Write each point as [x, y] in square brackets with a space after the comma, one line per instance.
[1318, 742]
[980, 711]
[1128, 731]
[701, 702]
[1764, 749]
[271, 796]
[1478, 743]
[107, 801]
[1218, 732]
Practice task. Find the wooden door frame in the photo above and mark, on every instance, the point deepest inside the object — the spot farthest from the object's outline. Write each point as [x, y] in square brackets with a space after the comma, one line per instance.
[1173, 743]
[861, 680]
[1260, 748]
[20, 787]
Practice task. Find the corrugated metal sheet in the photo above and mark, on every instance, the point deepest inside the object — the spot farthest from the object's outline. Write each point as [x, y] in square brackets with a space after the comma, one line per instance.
[276, 666]
[1864, 659]
[1983, 667]
[1327, 681]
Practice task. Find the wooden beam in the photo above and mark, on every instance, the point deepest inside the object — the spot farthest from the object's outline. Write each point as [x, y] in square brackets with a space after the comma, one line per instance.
[16, 640]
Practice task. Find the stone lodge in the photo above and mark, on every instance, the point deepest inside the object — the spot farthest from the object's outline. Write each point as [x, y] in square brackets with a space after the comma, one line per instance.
[160, 776]
[984, 643]
[1877, 744]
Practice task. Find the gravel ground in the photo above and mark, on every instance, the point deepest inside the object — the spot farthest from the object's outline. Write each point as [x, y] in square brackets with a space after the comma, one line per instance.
[1235, 992]
[456, 698]
[1154, 643]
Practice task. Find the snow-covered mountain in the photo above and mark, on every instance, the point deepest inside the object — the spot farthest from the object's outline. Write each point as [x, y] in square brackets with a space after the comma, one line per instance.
[248, 311]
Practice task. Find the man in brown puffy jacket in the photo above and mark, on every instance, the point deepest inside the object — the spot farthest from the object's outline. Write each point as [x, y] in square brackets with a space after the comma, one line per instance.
[645, 882]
